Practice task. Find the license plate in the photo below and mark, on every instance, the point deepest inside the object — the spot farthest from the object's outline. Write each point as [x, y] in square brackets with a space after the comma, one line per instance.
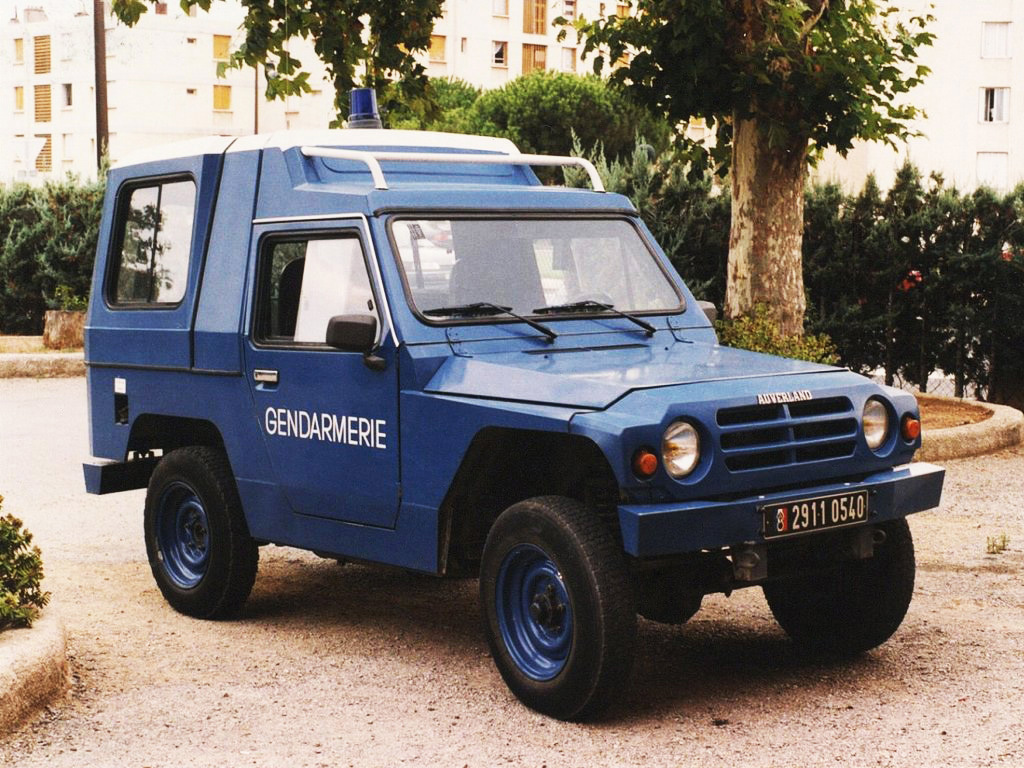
[792, 518]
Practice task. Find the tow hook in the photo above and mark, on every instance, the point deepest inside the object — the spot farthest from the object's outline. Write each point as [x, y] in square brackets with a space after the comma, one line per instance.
[750, 562]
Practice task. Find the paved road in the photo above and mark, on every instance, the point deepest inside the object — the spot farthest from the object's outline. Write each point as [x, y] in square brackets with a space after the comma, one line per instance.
[362, 666]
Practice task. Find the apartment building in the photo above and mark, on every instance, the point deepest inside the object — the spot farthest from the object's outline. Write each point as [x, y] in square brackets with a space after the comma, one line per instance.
[973, 132]
[162, 82]
[162, 85]
[489, 42]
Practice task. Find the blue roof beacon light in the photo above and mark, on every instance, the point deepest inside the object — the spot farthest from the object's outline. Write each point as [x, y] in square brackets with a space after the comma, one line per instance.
[362, 111]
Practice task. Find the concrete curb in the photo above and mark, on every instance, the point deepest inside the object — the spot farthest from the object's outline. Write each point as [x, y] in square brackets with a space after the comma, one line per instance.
[1003, 429]
[49, 365]
[34, 668]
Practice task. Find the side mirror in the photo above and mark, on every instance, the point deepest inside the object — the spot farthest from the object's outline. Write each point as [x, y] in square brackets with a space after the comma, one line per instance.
[352, 333]
[710, 310]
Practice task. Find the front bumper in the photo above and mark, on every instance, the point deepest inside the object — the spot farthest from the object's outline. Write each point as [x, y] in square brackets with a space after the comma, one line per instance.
[655, 530]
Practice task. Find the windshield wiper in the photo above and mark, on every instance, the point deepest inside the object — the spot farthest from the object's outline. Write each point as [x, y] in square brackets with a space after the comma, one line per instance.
[590, 304]
[486, 308]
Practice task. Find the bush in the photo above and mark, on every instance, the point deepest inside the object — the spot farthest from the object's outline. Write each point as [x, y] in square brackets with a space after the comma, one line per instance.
[21, 573]
[760, 333]
[541, 111]
[48, 239]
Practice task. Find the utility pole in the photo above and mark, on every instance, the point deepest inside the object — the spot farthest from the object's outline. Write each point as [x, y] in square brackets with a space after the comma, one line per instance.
[99, 36]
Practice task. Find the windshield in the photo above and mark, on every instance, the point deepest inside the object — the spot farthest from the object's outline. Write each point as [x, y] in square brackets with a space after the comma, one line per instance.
[527, 265]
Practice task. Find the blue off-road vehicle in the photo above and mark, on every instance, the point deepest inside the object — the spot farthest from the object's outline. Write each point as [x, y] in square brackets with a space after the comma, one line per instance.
[402, 348]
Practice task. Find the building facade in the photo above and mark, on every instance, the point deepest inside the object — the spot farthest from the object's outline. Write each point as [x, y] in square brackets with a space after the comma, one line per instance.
[162, 85]
[973, 131]
[162, 80]
[489, 42]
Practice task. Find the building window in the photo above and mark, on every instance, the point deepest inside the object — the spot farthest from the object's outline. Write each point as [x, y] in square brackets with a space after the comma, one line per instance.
[41, 99]
[19, 50]
[569, 59]
[161, 9]
[995, 105]
[995, 40]
[500, 8]
[437, 45]
[19, 98]
[41, 51]
[622, 10]
[499, 53]
[462, 45]
[190, 91]
[534, 57]
[569, 10]
[67, 95]
[221, 47]
[190, 40]
[535, 17]
[222, 97]
[44, 160]
[993, 169]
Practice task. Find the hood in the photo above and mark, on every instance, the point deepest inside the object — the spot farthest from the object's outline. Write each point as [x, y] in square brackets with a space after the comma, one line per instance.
[596, 376]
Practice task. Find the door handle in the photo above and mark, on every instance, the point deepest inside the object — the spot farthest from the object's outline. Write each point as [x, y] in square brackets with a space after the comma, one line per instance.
[265, 375]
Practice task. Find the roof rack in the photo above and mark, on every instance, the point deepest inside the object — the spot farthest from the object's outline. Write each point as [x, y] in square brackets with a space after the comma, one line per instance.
[372, 161]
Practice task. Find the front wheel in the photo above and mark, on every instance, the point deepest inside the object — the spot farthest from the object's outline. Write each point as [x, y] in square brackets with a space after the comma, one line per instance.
[558, 607]
[199, 548]
[855, 607]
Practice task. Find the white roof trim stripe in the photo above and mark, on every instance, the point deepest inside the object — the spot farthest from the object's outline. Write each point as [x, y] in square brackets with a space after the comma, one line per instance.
[215, 145]
[207, 145]
[375, 138]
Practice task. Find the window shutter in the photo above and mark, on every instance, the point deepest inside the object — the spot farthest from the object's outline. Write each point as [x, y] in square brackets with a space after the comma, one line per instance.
[42, 54]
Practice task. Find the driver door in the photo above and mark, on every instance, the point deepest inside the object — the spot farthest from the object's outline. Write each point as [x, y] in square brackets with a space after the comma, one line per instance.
[329, 422]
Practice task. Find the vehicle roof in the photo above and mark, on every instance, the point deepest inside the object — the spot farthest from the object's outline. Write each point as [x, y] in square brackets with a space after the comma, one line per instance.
[284, 140]
[293, 183]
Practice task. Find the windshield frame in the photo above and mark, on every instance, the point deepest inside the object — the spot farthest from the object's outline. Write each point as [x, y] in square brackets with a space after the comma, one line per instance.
[545, 215]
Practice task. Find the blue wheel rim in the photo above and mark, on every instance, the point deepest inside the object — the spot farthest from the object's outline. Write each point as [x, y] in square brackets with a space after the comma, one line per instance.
[534, 612]
[183, 535]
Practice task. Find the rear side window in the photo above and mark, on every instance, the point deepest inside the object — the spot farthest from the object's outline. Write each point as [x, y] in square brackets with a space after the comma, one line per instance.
[155, 225]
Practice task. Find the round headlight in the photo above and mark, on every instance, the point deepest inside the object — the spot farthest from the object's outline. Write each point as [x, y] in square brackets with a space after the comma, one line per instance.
[680, 449]
[876, 423]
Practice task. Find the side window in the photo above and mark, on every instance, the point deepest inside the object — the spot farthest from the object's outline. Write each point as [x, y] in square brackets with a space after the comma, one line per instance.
[305, 282]
[156, 239]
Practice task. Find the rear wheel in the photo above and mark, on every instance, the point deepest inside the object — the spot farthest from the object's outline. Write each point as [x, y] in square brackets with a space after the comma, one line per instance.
[199, 548]
[558, 607]
[855, 607]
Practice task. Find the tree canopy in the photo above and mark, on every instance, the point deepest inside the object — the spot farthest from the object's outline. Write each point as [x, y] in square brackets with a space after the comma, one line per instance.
[360, 42]
[824, 71]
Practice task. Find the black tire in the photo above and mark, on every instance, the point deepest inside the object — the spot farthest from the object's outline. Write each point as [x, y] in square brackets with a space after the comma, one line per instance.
[559, 610]
[199, 547]
[853, 608]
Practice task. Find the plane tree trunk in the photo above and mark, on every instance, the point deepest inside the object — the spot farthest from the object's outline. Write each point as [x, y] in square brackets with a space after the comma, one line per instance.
[766, 235]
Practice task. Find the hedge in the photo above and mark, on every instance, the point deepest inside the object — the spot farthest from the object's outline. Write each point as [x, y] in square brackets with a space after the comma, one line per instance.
[918, 279]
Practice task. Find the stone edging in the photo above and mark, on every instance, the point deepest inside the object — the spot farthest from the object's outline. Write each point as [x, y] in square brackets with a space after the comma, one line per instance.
[34, 668]
[49, 365]
[1003, 429]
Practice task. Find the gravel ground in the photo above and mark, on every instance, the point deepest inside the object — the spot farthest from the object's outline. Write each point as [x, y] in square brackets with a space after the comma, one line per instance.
[336, 666]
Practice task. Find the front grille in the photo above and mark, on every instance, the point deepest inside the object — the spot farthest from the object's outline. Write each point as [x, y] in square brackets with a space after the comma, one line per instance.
[765, 436]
